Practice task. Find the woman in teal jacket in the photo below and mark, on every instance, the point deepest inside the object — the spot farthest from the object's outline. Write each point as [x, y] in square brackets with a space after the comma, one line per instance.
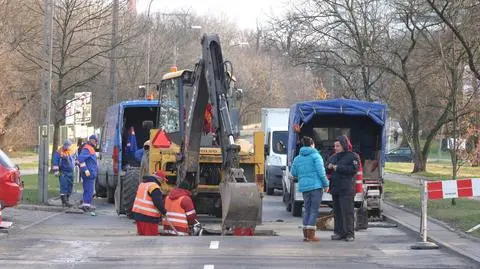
[308, 168]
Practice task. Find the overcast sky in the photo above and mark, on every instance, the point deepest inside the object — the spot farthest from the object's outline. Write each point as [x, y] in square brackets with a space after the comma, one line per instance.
[243, 12]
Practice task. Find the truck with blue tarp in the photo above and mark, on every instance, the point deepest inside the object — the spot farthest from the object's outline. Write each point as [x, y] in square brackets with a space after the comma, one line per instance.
[364, 123]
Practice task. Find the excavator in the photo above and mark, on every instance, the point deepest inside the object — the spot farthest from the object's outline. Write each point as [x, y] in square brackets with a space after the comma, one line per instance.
[241, 201]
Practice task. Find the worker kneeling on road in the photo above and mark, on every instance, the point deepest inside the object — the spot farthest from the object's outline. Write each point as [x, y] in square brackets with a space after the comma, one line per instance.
[148, 206]
[181, 213]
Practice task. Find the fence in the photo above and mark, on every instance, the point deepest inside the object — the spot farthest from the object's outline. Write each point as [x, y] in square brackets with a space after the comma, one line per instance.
[447, 189]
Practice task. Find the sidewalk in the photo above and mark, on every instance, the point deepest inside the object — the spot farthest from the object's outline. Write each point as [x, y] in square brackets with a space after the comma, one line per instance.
[437, 233]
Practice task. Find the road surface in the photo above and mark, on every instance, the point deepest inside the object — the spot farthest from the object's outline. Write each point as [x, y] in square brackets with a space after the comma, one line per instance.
[59, 240]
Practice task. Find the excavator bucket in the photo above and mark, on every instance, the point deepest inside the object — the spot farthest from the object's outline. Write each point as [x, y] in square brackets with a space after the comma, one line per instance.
[241, 205]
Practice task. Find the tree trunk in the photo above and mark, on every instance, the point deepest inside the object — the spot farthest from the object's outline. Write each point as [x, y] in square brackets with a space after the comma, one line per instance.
[419, 159]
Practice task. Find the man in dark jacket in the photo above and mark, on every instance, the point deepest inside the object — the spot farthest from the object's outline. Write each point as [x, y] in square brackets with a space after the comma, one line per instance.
[148, 206]
[343, 165]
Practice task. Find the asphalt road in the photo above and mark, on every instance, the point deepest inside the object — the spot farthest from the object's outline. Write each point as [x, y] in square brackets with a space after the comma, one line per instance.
[58, 240]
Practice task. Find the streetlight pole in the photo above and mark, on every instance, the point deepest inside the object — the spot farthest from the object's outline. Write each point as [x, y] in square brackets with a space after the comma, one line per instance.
[147, 75]
[113, 54]
[45, 116]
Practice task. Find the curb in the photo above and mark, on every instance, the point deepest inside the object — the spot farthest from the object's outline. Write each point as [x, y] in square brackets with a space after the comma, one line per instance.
[441, 243]
[436, 221]
[41, 208]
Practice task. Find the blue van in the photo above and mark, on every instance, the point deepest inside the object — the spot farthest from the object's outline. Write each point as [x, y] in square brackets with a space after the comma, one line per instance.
[118, 178]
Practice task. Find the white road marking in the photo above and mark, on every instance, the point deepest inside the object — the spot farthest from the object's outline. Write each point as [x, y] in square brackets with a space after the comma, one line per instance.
[214, 244]
[209, 266]
[41, 220]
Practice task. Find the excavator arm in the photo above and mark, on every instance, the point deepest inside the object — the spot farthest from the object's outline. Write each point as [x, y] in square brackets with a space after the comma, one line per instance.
[241, 201]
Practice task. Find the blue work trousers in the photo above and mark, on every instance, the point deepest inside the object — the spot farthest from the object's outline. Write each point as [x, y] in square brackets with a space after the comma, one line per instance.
[311, 202]
[88, 189]
[66, 183]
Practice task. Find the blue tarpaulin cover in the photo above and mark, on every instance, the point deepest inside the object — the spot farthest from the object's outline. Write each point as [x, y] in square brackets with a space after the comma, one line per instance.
[303, 112]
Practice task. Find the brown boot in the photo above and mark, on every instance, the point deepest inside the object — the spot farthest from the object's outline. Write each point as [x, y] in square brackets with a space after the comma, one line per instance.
[311, 235]
[305, 234]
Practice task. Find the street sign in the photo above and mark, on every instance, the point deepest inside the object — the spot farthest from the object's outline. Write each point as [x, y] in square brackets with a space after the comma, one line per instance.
[70, 112]
[83, 107]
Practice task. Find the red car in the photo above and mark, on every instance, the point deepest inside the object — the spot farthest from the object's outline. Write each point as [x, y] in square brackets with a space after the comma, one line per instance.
[11, 187]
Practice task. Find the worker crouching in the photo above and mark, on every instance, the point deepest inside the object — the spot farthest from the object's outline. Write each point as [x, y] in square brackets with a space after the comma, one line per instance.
[181, 213]
[148, 206]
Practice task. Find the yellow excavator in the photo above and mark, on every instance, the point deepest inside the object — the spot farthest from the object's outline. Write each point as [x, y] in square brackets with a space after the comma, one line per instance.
[197, 139]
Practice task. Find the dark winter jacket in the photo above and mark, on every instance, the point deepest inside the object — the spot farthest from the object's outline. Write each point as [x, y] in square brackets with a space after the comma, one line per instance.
[157, 199]
[342, 181]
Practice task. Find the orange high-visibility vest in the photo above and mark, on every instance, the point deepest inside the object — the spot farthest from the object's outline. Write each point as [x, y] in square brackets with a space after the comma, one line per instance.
[143, 201]
[177, 217]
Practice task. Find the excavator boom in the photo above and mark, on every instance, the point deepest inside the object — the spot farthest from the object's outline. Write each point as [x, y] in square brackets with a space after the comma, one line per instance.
[241, 200]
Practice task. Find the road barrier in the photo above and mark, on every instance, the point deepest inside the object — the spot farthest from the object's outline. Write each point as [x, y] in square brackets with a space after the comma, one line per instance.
[437, 190]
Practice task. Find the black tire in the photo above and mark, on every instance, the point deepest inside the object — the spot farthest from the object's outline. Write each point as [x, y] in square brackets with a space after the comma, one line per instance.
[297, 209]
[288, 206]
[361, 218]
[270, 191]
[129, 189]
[99, 190]
[111, 195]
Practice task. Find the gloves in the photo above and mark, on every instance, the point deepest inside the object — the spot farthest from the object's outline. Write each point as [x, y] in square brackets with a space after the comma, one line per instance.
[56, 173]
[87, 173]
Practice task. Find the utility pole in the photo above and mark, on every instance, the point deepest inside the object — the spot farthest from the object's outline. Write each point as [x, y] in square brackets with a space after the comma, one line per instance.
[45, 113]
[113, 53]
[147, 75]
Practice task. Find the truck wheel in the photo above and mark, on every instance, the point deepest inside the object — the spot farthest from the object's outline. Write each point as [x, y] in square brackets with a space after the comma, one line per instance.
[99, 190]
[111, 195]
[297, 209]
[270, 191]
[361, 218]
[129, 189]
[288, 206]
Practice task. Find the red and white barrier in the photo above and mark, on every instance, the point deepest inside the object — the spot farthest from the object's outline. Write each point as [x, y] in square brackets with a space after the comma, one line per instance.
[453, 188]
[447, 189]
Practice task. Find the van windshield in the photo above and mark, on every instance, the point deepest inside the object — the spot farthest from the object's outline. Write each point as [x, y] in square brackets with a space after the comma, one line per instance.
[279, 142]
[5, 161]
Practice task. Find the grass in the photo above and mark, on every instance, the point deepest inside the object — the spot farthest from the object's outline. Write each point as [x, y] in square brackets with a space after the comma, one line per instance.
[30, 192]
[463, 216]
[20, 154]
[440, 171]
[31, 165]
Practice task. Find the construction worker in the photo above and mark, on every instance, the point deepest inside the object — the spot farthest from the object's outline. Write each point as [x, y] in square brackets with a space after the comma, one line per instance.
[181, 213]
[131, 146]
[63, 164]
[87, 160]
[148, 206]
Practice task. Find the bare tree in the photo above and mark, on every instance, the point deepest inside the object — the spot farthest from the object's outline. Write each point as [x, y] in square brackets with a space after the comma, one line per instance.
[462, 18]
[340, 35]
[81, 40]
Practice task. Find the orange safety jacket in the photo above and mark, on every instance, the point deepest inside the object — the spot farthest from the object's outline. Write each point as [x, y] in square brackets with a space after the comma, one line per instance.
[177, 217]
[143, 201]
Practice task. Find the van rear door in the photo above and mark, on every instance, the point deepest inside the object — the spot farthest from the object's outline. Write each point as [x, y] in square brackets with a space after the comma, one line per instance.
[108, 141]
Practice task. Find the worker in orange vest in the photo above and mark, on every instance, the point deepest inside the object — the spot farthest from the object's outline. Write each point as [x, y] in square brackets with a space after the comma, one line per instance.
[148, 206]
[181, 213]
